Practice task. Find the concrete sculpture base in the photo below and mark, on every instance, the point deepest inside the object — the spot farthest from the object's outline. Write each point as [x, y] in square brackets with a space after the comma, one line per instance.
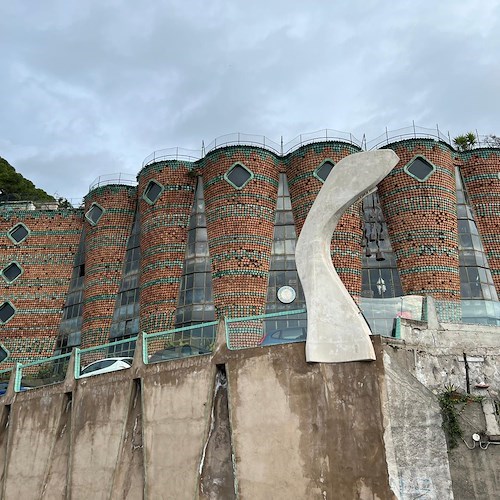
[336, 330]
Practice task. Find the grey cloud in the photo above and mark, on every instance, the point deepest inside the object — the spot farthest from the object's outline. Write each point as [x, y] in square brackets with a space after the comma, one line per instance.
[106, 83]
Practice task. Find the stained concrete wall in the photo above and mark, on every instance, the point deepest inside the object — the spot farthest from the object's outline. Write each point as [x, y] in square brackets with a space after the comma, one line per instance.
[415, 441]
[435, 356]
[306, 430]
[251, 424]
[421, 365]
[257, 424]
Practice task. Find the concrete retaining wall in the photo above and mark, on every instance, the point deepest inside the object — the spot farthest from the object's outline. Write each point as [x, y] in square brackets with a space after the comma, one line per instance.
[260, 421]
[251, 424]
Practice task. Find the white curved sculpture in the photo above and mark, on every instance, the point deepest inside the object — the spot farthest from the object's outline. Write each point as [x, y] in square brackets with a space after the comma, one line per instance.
[336, 330]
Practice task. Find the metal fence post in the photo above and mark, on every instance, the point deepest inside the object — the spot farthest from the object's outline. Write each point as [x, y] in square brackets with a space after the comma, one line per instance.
[144, 349]
[18, 376]
[77, 363]
[227, 332]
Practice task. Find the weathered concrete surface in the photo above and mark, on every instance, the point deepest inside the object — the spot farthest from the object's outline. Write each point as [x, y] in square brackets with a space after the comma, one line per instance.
[56, 481]
[306, 430]
[459, 356]
[295, 430]
[415, 442]
[336, 330]
[436, 357]
[128, 478]
[217, 474]
[475, 473]
[100, 413]
[34, 426]
[177, 399]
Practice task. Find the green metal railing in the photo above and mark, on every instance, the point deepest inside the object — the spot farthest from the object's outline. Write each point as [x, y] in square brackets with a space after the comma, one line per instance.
[52, 376]
[252, 328]
[7, 370]
[170, 337]
[260, 318]
[79, 352]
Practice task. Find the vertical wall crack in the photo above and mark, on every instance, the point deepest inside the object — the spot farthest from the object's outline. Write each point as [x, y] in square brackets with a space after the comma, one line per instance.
[216, 465]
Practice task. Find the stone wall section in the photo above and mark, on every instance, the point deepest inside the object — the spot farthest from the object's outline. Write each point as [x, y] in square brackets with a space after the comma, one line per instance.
[105, 246]
[240, 224]
[46, 258]
[163, 241]
[422, 224]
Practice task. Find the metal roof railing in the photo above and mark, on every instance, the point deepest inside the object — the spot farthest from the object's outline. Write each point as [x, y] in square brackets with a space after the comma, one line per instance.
[322, 135]
[173, 154]
[261, 141]
[413, 132]
[118, 178]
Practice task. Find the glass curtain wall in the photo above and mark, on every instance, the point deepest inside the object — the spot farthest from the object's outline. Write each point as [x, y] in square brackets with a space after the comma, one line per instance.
[477, 288]
[71, 324]
[284, 291]
[125, 322]
[380, 277]
[195, 304]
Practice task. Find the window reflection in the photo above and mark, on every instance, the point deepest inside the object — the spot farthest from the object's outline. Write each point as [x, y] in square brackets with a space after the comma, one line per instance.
[283, 271]
[125, 322]
[476, 281]
[380, 276]
[71, 323]
[195, 304]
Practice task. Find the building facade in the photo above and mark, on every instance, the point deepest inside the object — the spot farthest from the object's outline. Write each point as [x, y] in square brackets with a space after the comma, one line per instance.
[198, 240]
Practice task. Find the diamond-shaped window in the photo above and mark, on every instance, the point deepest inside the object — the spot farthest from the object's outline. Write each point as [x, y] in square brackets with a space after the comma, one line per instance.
[323, 170]
[152, 192]
[238, 176]
[419, 168]
[94, 214]
[12, 272]
[6, 312]
[18, 233]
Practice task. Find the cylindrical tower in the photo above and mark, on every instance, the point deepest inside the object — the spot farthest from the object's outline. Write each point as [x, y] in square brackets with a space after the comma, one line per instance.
[109, 213]
[481, 174]
[166, 195]
[241, 185]
[419, 203]
[308, 168]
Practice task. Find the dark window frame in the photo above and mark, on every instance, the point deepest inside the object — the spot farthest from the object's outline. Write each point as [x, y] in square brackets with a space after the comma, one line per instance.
[88, 217]
[424, 160]
[14, 310]
[10, 264]
[320, 166]
[145, 197]
[232, 168]
[14, 228]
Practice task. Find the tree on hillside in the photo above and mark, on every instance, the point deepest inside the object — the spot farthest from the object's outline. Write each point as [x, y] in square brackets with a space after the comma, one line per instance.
[13, 186]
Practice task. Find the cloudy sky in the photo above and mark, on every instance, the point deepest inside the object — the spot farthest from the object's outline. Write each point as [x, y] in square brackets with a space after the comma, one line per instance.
[91, 87]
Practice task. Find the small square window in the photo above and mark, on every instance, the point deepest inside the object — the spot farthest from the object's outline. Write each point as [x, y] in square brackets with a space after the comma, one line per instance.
[323, 171]
[6, 312]
[419, 168]
[94, 214]
[18, 233]
[238, 175]
[152, 192]
[12, 272]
